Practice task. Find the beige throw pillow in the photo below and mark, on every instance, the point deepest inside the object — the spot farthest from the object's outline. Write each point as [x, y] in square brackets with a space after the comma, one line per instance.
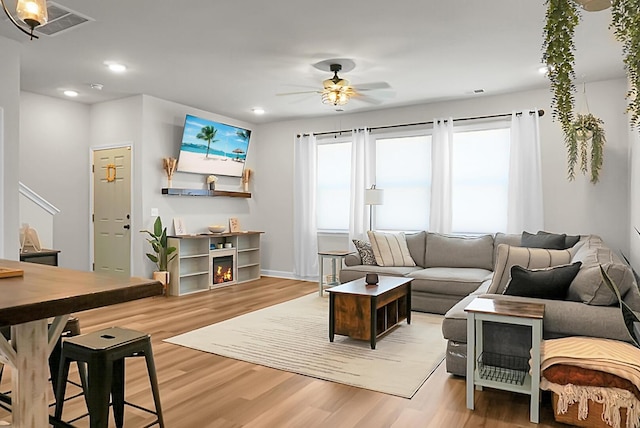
[529, 258]
[390, 249]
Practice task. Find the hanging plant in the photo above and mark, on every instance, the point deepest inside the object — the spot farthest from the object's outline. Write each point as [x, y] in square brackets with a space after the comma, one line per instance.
[585, 129]
[625, 16]
[558, 54]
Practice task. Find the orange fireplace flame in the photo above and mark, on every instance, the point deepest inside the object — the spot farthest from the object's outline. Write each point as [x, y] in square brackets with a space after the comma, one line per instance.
[222, 275]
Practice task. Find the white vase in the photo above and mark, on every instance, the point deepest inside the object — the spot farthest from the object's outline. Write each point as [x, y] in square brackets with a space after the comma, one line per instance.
[163, 278]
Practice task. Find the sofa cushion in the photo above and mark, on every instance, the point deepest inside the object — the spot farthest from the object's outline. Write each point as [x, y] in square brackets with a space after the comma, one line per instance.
[390, 249]
[588, 286]
[359, 271]
[365, 252]
[530, 258]
[566, 318]
[459, 251]
[547, 283]
[569, 240]
[417, 244]
[449, 281]
[550, 241]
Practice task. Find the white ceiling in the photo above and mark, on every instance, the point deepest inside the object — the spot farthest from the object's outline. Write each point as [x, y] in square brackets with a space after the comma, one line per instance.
[230, 56]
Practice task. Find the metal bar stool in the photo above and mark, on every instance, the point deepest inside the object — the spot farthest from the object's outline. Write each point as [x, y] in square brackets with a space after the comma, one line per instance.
[104, 352]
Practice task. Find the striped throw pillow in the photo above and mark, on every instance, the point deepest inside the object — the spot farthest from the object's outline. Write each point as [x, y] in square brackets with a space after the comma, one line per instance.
[390, 249]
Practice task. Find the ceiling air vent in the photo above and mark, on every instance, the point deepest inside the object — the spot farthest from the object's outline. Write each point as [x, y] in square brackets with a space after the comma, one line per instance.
[61, 19]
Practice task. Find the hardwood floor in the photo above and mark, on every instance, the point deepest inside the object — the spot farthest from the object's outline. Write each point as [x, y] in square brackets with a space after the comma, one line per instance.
[205, 390]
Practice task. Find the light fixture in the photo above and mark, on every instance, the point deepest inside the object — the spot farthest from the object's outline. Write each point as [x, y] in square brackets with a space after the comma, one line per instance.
[336, 91]
[71, 93]
[373, 197]
[257, 110]
[594, 5]
[31, 12]
[116, 67]
[337, 96]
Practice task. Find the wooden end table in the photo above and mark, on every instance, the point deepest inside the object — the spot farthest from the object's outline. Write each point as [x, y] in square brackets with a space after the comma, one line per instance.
[366, 312]
[491, 372]
[334, 256]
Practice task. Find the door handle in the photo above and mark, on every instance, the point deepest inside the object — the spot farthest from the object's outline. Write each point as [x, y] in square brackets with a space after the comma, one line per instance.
[126, 226]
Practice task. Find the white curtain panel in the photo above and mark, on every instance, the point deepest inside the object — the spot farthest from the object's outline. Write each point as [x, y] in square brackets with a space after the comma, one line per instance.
[305, 230]
[440, 215]
[525, 210]
[362, 177]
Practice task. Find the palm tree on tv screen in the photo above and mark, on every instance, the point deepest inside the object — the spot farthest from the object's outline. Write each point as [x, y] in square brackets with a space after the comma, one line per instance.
[208, 134]
[243, 134]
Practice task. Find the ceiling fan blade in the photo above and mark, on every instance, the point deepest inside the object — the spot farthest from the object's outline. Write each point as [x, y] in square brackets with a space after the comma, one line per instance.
[373, 86]
[298, 93]
[367, 99]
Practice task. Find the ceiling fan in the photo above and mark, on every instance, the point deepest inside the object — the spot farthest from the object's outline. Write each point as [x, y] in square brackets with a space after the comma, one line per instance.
[338, 91]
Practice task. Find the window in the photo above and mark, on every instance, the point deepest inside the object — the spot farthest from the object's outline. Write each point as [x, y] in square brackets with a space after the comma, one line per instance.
[403, 171]
[334, 177]
[480, 179]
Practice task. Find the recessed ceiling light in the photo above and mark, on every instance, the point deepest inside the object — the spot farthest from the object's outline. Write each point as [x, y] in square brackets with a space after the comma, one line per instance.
[70, 93]
[543, 69]
[97, 86]
[116, 67]
[257, 110]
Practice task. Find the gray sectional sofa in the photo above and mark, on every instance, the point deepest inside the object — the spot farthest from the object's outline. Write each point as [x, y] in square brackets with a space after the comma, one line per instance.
[451, 271]
[448, 268]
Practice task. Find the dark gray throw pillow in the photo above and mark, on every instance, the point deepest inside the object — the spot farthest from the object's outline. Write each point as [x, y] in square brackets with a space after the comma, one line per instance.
[569, 241]
[550, 283]
[365, 251]
[550, 242]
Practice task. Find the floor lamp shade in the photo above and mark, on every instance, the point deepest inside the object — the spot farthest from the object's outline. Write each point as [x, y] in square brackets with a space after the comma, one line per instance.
[373, 197]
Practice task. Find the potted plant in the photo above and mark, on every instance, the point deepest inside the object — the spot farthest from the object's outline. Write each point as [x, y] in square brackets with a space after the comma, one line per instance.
[585, 140]
[162, 253]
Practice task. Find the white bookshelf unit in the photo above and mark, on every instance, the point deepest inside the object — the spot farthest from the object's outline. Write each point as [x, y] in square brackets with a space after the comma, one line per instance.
[190, 270]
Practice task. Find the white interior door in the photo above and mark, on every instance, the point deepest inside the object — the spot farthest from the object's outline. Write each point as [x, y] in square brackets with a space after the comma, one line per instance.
[112, 210]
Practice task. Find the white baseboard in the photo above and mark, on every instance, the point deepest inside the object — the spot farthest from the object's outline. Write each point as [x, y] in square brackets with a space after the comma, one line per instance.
[286, 275]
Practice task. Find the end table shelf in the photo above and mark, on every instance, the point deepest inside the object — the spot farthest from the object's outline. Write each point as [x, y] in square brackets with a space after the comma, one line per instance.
[506, 372]
[204, 192]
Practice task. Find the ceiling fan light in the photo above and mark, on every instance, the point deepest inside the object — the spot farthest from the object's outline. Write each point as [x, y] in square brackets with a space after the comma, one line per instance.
[32, 12]
[335, 97]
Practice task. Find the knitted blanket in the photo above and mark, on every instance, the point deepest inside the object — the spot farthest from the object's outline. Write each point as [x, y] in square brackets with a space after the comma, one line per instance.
[609, 356]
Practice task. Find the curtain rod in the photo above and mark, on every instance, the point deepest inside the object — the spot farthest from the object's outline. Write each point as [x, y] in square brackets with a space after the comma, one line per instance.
[462, 119]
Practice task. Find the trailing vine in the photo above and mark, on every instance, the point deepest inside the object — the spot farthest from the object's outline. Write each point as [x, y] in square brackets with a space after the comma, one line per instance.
[558, 47]
[625, 16]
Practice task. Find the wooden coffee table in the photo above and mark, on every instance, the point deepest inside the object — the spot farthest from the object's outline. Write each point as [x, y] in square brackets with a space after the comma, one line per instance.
[366, 312]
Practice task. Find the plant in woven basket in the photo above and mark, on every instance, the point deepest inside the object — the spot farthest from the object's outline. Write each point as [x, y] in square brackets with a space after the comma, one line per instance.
[585, 141]
[625, 21]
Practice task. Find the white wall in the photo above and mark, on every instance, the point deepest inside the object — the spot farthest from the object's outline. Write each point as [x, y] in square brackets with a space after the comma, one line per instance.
[154, 128]
[571, 207]
[162, 126]
[54, 162]
[9, 142]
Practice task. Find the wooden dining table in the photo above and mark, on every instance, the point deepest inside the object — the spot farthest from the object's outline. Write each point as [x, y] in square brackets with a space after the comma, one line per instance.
[28, 303]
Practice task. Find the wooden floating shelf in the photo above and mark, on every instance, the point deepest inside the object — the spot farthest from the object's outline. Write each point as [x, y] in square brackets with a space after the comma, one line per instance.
[204, 192]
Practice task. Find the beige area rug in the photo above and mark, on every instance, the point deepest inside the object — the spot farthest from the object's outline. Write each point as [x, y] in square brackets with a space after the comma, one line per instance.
[294, 336]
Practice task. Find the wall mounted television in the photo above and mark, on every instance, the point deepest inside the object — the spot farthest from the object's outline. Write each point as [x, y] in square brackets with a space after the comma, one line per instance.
[210, 147]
